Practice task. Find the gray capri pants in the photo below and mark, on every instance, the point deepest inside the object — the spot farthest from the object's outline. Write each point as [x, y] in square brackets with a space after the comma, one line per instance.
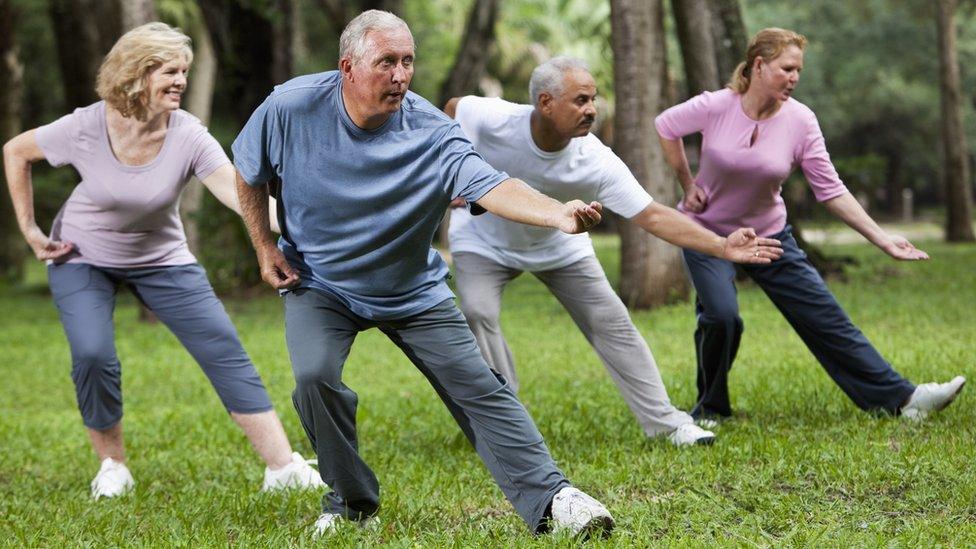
[182, 298]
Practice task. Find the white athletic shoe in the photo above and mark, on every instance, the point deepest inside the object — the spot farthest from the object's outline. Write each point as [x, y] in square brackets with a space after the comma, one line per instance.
[331, 522]
[706, 423]
[297, 474]
[578, 513]
[113, 479]
[931, 397]
[690, 434]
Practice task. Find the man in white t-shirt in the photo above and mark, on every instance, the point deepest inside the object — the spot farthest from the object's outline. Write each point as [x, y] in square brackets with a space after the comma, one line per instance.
[548, 145]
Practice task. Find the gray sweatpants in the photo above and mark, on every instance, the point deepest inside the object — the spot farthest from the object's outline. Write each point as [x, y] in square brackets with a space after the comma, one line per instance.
[320, 331]
[181, 296]
[585, 292]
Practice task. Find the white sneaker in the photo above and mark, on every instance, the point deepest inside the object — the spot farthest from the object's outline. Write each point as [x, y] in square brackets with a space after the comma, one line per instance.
[297, 474]
[690, 434]
[113, 479]
[706, 423]
[931, 397]
[578, 513]
[331, 522]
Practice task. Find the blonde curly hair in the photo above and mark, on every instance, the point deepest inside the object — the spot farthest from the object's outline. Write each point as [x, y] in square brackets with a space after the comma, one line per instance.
[124, 73]
[768, 44]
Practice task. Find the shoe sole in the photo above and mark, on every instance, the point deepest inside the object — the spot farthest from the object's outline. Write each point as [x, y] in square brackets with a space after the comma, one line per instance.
[705, 441]
[601, 526]
[951, 398]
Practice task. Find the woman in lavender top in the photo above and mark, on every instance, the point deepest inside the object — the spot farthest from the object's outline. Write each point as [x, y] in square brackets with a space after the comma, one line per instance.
[135, 151]
[754, 134]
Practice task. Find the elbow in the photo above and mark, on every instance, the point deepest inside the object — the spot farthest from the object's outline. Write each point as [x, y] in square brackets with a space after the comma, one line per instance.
[450, 108]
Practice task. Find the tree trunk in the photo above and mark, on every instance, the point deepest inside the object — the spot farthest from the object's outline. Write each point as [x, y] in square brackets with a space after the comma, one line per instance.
[472, 57]
[729, 36]
[136, 12]
[959, 197]
[78, 38]
[341, 12]
[12, 247]
[199, 99]
[469, 67]
[651, 270]
[693, 21]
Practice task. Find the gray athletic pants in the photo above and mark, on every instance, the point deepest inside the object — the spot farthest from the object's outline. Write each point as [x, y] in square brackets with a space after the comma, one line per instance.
[320, 331]
[585, 292]
[181, 296]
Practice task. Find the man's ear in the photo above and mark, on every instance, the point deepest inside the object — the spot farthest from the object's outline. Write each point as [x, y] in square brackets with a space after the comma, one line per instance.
[545, 102]
[345, 68]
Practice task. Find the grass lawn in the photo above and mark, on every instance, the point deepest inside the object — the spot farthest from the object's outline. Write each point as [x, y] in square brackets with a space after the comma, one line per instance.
[798, 466]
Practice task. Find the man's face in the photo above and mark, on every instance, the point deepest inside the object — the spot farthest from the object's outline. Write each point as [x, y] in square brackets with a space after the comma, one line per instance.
[573, 111]
[379, 80]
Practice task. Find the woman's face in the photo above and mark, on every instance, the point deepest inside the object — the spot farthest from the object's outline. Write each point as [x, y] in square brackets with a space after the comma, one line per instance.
[166, 85]
[777, 78]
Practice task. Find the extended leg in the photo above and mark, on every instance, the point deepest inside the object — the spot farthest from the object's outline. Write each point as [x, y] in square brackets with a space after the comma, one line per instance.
[586, 293]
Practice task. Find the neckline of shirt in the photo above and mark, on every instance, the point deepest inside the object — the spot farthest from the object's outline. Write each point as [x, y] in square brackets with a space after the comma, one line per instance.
[107, 143]
[741, 110]
[527, 133]
[351, 126]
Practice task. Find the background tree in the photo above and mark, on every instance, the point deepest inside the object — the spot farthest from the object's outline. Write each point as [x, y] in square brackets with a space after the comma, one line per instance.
[651, 271]
[694, 26]
[477, 43]
[959, 197]
[12, 247]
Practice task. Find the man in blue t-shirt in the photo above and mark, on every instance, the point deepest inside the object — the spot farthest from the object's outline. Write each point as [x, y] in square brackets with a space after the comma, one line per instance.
[367, 170]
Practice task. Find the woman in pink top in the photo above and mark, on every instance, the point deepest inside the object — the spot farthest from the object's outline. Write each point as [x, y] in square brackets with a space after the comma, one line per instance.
[754, 134]
[135, 152]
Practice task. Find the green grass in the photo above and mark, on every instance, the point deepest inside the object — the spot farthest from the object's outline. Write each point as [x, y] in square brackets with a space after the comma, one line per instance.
[799, 466]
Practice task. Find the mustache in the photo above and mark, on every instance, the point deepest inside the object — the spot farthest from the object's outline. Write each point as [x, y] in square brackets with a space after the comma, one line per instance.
[589, 120]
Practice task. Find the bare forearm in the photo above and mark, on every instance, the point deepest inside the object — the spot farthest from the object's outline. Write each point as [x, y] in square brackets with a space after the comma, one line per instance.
[672, 226]
[254, 210]
[848, 210]
[17, 169]
[514, 200]
[674, 155]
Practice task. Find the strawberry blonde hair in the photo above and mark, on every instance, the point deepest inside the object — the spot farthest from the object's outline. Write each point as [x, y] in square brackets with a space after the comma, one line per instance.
[768, 44]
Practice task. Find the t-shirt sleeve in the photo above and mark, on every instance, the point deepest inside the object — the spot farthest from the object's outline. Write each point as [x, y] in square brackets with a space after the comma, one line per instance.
[57, 140]
[620, 191]
[816, 164]
[257, 149]
[465, 173]
[685, 118]
[208, 156]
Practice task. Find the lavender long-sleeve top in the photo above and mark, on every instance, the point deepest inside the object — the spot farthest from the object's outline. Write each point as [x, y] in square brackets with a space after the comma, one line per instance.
[741, 179]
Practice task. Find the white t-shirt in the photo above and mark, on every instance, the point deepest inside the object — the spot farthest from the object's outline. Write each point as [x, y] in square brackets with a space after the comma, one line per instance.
[586, 169]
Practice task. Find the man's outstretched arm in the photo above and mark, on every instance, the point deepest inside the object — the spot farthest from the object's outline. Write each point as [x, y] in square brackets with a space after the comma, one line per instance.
[275, 269]
[742, 246]
[514, 200]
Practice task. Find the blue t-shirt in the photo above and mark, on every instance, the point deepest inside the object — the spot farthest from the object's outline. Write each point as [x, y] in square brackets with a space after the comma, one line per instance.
[362, 206]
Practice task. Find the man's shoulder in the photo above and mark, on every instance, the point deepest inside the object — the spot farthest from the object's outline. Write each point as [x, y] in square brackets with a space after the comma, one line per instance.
[422, 113]
[299, 90]
[490, 108]
[590, 145]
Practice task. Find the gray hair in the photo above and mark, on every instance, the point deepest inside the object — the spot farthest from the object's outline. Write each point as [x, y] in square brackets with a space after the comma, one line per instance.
[549, 77]
[352, 43]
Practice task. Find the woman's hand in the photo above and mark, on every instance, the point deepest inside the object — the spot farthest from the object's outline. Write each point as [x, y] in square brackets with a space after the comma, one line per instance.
[45, 248]
[695, 199]
[900, 248]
